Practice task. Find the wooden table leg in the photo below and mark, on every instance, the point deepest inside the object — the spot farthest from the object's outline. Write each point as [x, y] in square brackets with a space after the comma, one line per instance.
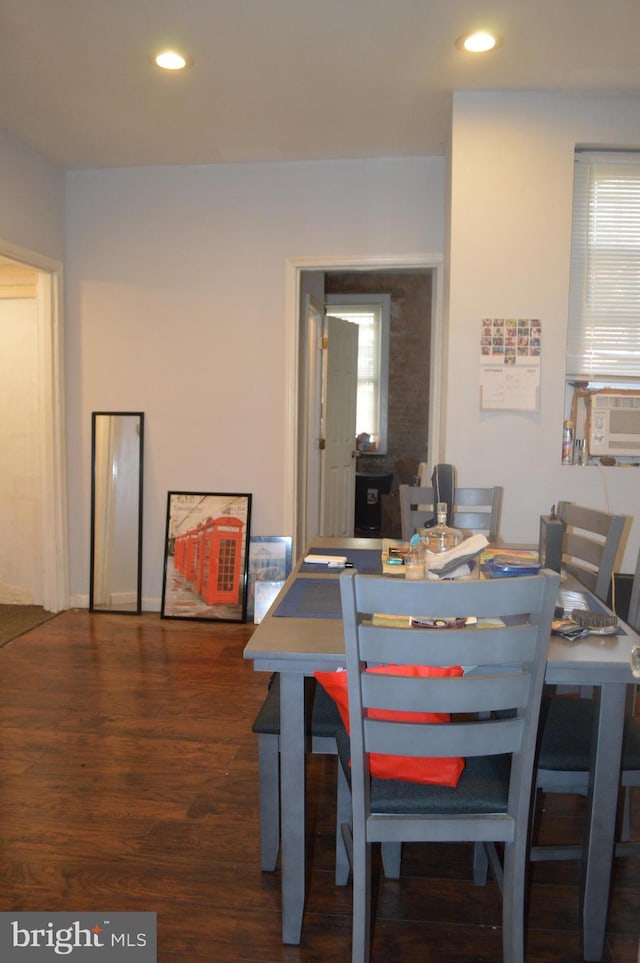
[292, 804]
[602, 805]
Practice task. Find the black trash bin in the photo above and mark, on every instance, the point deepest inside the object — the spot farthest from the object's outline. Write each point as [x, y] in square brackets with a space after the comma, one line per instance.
[370, 487]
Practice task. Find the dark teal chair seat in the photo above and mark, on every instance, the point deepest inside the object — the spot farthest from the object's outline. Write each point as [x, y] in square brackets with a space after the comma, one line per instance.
[566, 736]
[566, 725]
[483, 787]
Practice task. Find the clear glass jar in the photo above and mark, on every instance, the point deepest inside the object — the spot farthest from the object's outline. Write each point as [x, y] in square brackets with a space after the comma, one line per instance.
[414, 562]
[441, 537]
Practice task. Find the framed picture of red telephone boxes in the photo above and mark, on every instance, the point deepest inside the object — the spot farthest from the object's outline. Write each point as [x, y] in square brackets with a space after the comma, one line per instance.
[206, 556]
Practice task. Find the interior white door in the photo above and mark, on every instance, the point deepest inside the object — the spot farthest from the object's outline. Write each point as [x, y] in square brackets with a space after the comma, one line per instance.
[340, 387]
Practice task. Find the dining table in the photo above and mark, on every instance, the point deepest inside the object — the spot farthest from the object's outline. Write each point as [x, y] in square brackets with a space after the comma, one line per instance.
[302, 633]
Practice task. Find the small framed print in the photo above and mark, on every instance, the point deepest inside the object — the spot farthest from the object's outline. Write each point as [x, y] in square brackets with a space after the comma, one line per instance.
[206, 556]
[269, 566]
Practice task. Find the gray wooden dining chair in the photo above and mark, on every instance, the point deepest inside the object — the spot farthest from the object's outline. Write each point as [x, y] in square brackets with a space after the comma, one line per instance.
[416, 508]
[322, 720]
[590, 545]
[491, 800]
[474, 509]
[564, 757]
[478, 510]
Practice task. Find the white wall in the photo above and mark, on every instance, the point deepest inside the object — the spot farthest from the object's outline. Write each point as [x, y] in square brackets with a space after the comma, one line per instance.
[511, 191]
[31, 200]
[176, 277]
[176, 306]
[32, 229]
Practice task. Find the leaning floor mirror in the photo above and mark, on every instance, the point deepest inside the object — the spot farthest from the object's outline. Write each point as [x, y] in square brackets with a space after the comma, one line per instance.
[116, 511]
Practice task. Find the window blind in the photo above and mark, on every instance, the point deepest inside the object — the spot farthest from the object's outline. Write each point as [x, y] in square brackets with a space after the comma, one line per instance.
[604, 294]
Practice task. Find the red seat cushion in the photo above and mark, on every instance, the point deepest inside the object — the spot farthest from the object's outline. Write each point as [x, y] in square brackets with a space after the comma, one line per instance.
[438, 771]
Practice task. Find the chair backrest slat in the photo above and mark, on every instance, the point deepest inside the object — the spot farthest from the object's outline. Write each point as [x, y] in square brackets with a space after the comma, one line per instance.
[439, 647]
[490, 738]
[443, 694]
[443, 598]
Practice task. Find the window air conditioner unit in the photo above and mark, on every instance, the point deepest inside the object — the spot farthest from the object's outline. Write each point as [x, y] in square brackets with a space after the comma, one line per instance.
[614, 423]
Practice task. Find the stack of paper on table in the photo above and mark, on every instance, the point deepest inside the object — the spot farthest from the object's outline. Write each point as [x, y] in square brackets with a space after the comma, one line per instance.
[413, 621]
[502, 563]
[389, 621]
[522, 556]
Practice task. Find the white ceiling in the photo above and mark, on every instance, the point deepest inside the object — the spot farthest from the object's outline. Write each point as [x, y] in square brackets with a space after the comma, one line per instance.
[285, 79]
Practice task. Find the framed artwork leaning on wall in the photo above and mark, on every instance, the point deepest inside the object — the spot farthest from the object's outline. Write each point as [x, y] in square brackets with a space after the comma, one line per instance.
[269, 566]
[206, 556]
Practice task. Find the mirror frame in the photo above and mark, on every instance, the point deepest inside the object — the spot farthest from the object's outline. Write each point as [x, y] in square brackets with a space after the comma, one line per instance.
[137, 545]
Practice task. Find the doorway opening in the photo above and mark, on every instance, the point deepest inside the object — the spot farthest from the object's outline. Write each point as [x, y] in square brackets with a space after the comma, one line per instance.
[310, 282]
[33, 442]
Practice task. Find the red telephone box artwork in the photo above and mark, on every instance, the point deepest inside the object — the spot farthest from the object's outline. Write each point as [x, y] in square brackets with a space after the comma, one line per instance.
[206, 556]
[220, 560]
[192, 550]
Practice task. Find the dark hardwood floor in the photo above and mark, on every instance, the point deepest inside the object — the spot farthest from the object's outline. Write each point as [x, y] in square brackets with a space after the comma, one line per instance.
[129, 782]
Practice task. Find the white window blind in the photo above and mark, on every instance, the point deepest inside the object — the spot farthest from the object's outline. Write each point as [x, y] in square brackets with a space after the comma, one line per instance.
[604, 296]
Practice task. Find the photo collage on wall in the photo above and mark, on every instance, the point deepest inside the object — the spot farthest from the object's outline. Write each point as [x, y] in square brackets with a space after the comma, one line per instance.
[510, 341]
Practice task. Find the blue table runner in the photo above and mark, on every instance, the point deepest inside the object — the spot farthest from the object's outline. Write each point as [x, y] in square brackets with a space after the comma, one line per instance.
[311, 598]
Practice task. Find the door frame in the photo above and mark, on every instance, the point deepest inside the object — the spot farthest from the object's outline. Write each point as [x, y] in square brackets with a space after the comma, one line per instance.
[53, 550]
[297, 422]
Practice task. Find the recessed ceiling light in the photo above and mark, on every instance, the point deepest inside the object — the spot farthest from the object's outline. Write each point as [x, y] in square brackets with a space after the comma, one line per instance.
[480, 41]
[171, 60]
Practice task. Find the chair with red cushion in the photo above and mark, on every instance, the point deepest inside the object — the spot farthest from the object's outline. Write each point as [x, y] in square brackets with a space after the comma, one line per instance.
[505, 661]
